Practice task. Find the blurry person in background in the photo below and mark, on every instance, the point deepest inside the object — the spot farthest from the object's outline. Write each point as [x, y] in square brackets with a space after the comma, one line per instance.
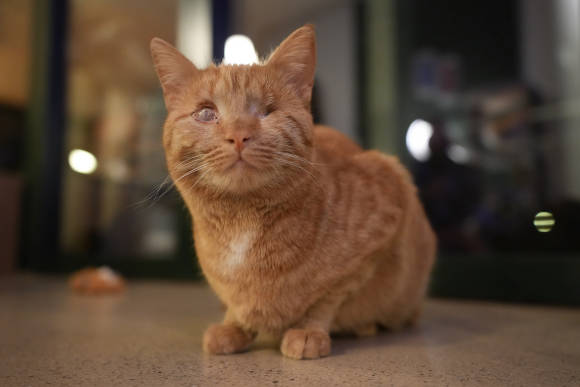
[451, 193]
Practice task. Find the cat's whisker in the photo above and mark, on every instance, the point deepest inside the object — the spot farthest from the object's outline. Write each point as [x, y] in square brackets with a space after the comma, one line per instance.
[209, 154]
[299, 158]
[187, 160]
[271, 155]
[190, 165]
[294, 164]
[153, 196]
[301, 168]
[273, 150]
[187, 164]
[163, 189]
[198, 168]
[293, 157]
[199, 179]
[218, 158]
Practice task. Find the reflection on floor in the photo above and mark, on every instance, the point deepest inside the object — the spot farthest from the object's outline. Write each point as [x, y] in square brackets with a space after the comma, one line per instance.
[151, 335]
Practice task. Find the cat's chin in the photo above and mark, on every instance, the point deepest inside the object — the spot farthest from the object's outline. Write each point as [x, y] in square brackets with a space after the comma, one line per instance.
[240, 166]
[240, 177]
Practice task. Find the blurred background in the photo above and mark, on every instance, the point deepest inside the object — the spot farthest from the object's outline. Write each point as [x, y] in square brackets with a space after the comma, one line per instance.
[481, 100]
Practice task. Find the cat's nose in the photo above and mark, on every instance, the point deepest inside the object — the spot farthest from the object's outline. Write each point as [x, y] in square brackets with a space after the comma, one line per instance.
[239, 140]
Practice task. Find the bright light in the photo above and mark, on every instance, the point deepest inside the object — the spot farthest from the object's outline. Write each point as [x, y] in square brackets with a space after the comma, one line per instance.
[82, 161]
[458, 154]
[418, 136]
[239, 50]
[544, 221]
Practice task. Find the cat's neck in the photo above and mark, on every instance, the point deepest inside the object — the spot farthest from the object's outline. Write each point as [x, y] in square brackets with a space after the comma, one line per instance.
[254, 207]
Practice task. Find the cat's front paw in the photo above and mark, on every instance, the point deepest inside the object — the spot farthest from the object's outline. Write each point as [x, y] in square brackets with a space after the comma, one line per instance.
[223, 339]
[305, 344]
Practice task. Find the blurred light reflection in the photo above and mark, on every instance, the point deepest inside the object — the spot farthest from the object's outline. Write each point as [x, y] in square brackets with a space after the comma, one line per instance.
[239, 50]
[82, 161]
[418, 136]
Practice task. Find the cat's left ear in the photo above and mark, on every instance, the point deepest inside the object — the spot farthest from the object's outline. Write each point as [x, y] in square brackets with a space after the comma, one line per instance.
[175, 71]
[295, 58]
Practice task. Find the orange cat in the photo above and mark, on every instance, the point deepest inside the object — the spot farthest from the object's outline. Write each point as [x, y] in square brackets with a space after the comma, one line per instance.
[298, 230]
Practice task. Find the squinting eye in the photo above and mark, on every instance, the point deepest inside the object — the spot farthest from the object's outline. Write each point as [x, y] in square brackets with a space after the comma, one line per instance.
[265, 112]
[205, 115]
[270, 109]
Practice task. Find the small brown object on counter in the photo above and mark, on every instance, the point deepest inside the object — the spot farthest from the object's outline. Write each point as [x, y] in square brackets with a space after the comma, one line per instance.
[96, 281]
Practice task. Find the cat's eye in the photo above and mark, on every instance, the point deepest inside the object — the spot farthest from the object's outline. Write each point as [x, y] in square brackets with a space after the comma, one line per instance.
[205, 114]
[268, 110]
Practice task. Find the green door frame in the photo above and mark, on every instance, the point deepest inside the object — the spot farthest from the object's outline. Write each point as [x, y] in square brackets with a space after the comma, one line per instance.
[44, 158]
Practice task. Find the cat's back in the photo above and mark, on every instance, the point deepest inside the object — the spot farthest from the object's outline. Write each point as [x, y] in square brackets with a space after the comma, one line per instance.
[332, 146]
[337, 152]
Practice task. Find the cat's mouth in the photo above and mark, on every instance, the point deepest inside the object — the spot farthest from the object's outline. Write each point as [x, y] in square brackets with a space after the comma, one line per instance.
[240, 163]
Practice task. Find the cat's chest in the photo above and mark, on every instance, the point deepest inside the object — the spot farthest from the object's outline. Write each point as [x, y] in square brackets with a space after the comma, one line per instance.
[226, 255]
[246, 271]
[235, 254]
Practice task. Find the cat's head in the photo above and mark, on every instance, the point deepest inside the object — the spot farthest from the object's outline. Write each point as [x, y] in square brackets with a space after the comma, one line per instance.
[239, 128]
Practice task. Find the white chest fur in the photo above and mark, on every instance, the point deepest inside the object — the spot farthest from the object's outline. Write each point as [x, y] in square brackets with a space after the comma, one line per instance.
[236, 253]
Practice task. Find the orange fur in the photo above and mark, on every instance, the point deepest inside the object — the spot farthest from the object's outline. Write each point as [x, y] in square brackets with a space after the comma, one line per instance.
[298, 230]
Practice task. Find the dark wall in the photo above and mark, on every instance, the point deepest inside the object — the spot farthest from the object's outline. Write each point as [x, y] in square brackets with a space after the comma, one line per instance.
[484, 33]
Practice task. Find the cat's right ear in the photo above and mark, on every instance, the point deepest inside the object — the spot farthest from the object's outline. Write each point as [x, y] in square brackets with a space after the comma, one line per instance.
[295, 58]
[175, 71]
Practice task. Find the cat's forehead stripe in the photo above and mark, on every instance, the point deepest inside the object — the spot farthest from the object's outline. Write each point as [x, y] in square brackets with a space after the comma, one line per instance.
[244, 84]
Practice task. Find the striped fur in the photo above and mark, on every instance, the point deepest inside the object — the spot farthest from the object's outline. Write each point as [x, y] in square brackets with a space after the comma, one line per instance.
[298, 230]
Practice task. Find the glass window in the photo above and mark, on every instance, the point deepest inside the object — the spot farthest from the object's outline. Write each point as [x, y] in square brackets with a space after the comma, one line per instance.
[117, 197]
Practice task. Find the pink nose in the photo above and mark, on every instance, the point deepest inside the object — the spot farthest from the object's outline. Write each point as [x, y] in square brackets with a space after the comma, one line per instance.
[239, 140]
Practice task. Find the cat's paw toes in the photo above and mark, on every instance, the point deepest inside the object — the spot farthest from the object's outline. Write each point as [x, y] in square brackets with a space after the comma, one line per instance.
[305, 344]
[223, 339]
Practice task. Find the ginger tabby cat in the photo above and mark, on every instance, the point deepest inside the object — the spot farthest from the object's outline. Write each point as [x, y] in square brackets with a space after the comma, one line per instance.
[297, 229]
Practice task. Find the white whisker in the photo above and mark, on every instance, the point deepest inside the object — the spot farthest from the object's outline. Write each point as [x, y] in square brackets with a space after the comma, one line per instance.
[301, 168]
[164, 188]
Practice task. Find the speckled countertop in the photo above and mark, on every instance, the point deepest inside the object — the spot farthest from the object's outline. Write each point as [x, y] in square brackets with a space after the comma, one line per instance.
[151, 336]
